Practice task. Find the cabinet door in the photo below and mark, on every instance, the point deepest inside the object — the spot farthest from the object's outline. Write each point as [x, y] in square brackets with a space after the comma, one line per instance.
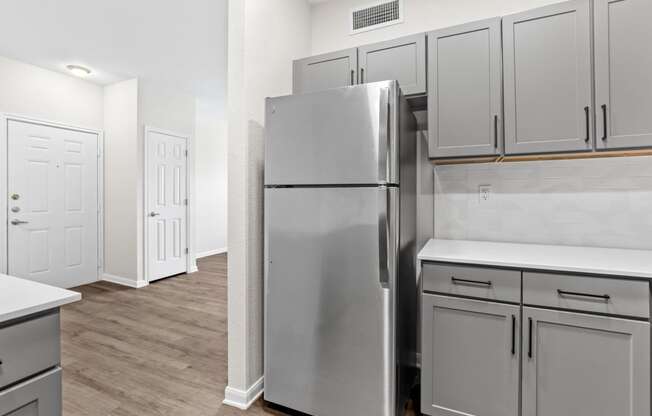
[321, 72]
[470, 357]
[547, 55]
[403, 60]
[584, 365]
[39, 396]
[623, 73]
[465, 99]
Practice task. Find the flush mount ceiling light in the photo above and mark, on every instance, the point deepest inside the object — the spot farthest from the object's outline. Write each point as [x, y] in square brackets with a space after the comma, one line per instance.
[78, 70]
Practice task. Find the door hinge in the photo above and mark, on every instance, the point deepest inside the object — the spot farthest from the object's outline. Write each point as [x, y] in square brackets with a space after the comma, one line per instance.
[185, 201]
[186, 153]
[187, 251]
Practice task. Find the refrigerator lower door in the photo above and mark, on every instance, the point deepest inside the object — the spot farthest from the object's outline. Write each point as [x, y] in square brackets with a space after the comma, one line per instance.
[329, 300]
[332, 137]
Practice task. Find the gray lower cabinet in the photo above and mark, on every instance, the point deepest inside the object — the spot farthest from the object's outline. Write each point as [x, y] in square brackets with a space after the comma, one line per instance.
[470, 357]
[547, 79]
[623, 73]
[39, 396]
[29, 347]
[584, 365]
[30, 375]
[402, 59]
[465, 91]
[321, 72]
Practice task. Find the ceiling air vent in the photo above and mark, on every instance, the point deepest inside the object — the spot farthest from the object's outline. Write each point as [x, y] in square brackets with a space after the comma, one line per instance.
[376, 15]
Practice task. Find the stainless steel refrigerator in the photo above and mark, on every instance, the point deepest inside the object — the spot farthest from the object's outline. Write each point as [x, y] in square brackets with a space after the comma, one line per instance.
[340, 225]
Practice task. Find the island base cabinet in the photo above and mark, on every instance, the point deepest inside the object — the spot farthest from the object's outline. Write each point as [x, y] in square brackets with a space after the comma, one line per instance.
[39, 396]
[584, 365]
[470, 357]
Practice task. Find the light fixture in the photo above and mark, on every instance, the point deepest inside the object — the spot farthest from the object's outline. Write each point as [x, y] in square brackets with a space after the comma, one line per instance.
[78, 70]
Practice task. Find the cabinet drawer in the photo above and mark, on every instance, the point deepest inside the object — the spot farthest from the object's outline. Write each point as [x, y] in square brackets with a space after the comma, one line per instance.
[479, 282]
[38, 396]
[29, 347]
[587, 293]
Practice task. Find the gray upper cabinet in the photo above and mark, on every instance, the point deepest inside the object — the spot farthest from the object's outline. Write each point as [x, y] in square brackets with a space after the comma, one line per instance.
[470, 357]
[465, 90]
[402, 59]
[547, 79]
[584, 365]
[321, 72]
[623, 73]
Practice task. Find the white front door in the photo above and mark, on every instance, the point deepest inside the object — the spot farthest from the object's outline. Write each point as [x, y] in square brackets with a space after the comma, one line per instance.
[166, 204]
[52, 204]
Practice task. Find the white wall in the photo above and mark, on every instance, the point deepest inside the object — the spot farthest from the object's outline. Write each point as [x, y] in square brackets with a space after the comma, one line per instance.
[210, 177]
[597, 202]
[331, 20]
[264, 38]
[35, 92]
[120, 187]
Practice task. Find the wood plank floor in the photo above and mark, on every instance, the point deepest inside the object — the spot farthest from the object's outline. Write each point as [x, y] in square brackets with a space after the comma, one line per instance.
[159, 351]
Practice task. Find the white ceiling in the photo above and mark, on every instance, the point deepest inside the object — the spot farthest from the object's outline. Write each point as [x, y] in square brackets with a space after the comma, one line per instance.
[180, 42]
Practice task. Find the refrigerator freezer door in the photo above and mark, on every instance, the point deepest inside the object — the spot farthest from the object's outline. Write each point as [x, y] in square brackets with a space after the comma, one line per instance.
[337, 136]
[329, 322]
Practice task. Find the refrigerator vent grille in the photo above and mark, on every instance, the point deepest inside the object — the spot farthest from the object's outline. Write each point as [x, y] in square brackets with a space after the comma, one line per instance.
[376, 16]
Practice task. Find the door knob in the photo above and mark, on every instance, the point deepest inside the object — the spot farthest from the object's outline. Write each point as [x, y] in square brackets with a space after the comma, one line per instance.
[154, 214]
[15, 197]
[18, 222]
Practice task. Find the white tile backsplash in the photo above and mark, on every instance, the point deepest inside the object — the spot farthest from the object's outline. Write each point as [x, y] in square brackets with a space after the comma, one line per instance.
[591, 202]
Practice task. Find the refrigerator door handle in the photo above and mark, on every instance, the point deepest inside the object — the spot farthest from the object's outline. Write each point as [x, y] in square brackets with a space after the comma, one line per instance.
[383, 235]
[383, 136]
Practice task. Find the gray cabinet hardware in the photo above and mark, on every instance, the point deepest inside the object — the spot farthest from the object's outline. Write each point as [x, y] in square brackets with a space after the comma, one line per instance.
[588, 132]
[496, 131]
[583, 295]
[18, 222]
[604, 122]
[352, 76]
[457, 281]
[529, 338]
[513, 334]
[361, 75]
[154, 214]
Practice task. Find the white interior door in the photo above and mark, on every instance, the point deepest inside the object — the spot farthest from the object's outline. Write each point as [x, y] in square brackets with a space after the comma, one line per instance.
[52, 204]
[166, 203]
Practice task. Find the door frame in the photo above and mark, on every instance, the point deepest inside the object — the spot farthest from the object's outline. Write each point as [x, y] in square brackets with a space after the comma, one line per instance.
[191, 265]
[5, 118]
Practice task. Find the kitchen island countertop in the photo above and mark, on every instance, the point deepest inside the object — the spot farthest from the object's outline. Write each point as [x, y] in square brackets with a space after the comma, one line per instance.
[21, 297]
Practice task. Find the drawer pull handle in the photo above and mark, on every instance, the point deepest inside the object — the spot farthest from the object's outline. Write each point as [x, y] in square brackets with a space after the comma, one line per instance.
[513, 334]
[563, 293]
[457, 281]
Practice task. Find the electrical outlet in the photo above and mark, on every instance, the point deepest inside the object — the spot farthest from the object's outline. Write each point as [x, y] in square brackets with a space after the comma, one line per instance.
[484, 193]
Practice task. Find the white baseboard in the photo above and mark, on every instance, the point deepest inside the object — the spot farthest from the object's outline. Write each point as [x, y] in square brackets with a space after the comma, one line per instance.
[211, 252]
[124, 281]
[243, 399]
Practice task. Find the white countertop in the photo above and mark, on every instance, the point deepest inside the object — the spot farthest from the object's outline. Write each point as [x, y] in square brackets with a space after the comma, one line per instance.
[590, 260]
[20, 297]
